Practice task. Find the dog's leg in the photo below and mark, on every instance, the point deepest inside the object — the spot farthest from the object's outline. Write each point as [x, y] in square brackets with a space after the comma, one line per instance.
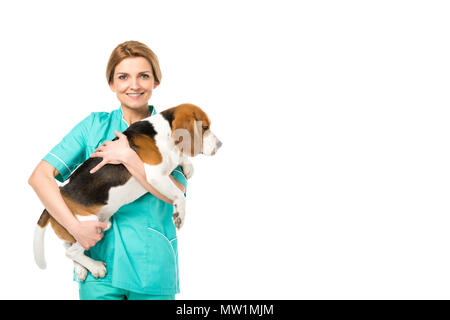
[168, 189]
[76, 253]
[187, 166]
[108, 225]
[80, 271]
[101, 217]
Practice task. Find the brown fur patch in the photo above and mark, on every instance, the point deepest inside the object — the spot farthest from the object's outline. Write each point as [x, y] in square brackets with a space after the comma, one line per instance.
[79, 209]
[76, 209]
[147, 149]
[44, 219]
[191, 118]
[60, 231]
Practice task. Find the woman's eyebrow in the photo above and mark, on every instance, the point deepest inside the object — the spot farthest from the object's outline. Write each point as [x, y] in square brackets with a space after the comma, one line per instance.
[119, 72]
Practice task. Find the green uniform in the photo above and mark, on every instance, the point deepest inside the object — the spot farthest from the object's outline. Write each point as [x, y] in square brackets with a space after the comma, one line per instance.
[140, 250]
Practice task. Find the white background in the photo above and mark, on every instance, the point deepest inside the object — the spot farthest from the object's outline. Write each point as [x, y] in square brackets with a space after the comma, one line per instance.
[333, 179]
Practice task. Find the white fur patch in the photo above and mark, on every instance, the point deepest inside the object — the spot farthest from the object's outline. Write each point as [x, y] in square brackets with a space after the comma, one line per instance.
[38, 247]
[210, 143]
[120, 196]
[163, 139]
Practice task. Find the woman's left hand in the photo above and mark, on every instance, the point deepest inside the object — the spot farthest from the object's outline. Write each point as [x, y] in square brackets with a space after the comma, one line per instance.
[112, 152]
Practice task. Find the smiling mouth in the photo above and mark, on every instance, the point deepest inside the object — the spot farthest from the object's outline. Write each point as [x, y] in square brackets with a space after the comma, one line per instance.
[134, 94]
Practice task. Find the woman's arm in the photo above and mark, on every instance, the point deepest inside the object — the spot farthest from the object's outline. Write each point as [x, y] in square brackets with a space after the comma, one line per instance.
[136, 167]
[43, 182]
[119, 151]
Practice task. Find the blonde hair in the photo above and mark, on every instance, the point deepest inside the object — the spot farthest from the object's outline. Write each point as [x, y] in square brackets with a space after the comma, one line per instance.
[132, 49]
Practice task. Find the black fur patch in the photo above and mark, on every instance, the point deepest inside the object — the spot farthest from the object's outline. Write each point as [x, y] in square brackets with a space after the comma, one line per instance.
[93, 189]
[141, 127]
[168, 115]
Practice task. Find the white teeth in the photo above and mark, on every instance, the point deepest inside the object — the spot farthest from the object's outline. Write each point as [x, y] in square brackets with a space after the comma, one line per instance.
[134, 94]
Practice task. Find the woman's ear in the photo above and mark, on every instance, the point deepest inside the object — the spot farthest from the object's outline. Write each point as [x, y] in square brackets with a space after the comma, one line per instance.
[155, 85]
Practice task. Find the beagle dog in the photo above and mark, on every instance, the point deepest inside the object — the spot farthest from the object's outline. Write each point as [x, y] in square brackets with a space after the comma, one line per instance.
[162, 142]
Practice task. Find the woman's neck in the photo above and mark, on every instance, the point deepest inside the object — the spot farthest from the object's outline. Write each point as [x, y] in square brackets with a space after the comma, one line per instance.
[133, 115]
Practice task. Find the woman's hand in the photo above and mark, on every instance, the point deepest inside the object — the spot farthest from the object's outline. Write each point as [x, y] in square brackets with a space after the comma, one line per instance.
[88, 233]
[119, 152]
[43, 182]
[112, 152]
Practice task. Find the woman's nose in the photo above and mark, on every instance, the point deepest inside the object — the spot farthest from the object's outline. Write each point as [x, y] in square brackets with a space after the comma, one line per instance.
[134, 83]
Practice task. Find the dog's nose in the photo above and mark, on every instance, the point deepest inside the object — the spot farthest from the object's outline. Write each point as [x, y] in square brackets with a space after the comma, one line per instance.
[219, 144]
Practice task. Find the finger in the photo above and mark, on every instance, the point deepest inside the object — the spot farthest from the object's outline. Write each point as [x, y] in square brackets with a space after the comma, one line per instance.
[97, 155]
[119, 134]
[98, 167]
[102, 146]
[101, 225]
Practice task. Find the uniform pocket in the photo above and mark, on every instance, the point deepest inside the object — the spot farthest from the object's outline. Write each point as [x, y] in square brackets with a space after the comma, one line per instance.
[163, 260]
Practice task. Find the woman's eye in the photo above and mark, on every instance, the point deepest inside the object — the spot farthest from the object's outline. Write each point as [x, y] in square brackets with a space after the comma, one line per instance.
[145, 76]
[122, 77]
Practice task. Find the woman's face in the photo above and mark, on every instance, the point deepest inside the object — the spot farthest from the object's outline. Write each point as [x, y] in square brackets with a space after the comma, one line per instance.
[133, 82]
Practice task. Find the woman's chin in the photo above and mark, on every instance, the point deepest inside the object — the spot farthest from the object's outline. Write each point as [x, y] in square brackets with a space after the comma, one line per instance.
[135, 105]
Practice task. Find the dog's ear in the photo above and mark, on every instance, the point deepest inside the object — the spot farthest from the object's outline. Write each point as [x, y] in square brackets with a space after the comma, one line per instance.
[189, 124]
[186, 135]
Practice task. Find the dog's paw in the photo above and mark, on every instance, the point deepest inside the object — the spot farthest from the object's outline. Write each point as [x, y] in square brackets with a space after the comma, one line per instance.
[178, 214]
[188, 168]
[80, 271]
[177, 220]
[98, 269]
[108, 225]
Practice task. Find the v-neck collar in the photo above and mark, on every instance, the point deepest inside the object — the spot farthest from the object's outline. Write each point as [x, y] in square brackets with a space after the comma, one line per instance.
[151, 109]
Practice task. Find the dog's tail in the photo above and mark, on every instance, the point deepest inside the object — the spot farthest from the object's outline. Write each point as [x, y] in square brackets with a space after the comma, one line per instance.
[38, 245]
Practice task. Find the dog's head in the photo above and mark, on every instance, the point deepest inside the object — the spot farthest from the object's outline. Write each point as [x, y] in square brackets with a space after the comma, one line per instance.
[191, 131]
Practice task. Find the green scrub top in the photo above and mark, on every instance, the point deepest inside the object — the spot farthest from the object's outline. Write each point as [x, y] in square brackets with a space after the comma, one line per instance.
[140, 249]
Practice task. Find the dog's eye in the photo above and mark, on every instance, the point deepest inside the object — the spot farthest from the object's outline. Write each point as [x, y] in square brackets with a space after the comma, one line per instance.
[205, 128]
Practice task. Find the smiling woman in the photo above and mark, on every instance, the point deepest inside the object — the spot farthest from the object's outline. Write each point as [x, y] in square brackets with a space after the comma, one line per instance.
[139, 265]
[133, 49]
[133, 72]
[133, 84]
